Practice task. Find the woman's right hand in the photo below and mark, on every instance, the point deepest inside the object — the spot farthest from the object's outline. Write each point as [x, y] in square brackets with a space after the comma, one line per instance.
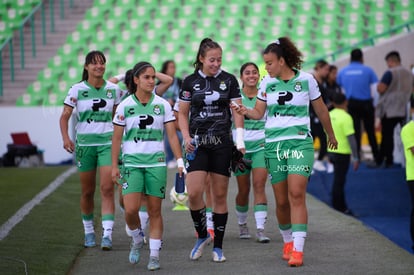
[69, 146]
[187, 145]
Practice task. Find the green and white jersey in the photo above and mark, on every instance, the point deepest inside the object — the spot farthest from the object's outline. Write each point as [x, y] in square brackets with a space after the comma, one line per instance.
[94, 111]
[254, 130]
[143, 141]
[288, 106]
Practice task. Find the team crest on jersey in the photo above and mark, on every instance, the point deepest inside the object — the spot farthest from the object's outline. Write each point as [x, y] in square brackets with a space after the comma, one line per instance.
[110, 93]
[263, 94]
[157, 110]
[298, 86]
[125, 185]
[73, 100]
[223, 86]
[186, 94]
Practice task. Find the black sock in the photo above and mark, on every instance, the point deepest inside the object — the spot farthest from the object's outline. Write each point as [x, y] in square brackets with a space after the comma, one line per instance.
[200, 222]
[220, 221]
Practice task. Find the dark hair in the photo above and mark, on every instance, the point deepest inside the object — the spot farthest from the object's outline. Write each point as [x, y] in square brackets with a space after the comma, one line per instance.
[244, 66]
[165, 66]
[284, 47]
[129, 78]
[338, 98]
[393, 55]
[320, 63]
[92, 57]
[332, 67]
[138, 69]
[205, 45]
[356, 55]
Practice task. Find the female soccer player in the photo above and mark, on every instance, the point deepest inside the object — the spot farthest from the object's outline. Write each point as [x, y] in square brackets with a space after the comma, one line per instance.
[142, 117]
[95, 100]
[285, 94]
[254, 137]
[204, 111]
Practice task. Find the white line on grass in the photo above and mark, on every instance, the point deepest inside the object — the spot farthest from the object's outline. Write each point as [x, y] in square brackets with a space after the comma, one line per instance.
[25, 209]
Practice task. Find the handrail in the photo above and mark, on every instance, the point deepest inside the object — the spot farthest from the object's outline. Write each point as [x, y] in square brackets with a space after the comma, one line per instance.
[370, 41]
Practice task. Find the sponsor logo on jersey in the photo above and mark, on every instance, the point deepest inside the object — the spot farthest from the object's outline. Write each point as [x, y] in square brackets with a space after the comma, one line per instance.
[157, 110]
[186, 94]
[211, 96]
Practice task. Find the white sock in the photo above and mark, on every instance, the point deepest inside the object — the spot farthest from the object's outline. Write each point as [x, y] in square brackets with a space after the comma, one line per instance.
[286, 235]
[261, 217]
[144, 218]
[137, 235]
[298, 240]
[209, 217]
[241, 217]
[155, 247]
[88, 226]
[107, 228]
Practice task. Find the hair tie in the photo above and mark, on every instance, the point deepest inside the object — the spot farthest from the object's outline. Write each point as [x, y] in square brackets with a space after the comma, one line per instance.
[277, 42]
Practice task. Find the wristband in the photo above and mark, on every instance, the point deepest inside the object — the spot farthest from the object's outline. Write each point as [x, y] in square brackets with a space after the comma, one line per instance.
[180, 164]
[240, 138]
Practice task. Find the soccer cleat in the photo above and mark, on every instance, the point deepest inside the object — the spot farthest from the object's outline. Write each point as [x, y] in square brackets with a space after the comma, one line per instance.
[211, 232]
[296, 259]
[106, 243]
[153, 263]
[261, 237]
[89, 240]
[197, 251]
[244, 231]
[134, 253]
[218, 256]
[287, 251]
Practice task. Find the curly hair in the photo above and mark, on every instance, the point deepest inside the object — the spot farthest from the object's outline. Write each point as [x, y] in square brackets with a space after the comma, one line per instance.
[284, 47]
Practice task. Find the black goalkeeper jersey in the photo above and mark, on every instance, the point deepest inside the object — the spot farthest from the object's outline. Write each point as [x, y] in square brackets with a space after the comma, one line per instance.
[210, 98]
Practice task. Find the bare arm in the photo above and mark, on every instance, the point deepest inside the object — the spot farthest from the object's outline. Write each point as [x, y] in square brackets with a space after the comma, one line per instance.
[323, 114]
[165, 82]
[68, 144]
[382, 88]
[174, 142]
[116, 149]
[256, 113]
[183, 122]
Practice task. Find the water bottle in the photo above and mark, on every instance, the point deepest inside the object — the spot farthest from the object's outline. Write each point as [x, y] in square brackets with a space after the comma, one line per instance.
[194, 142]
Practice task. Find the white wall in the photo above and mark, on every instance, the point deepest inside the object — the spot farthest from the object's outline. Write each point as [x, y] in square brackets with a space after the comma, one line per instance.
[42, 124]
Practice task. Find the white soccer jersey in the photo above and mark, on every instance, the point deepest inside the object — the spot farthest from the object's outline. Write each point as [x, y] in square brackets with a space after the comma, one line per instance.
[254, 130]
[143, 141]
[94, 111]
[288, 106]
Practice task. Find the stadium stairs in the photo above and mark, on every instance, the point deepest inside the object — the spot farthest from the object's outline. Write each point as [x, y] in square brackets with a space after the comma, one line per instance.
[63, 26]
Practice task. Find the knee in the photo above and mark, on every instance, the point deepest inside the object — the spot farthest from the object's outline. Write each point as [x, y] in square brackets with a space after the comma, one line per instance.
[107, 190]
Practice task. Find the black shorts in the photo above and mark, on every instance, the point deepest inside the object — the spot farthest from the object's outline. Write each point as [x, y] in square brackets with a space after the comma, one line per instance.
[213, 158]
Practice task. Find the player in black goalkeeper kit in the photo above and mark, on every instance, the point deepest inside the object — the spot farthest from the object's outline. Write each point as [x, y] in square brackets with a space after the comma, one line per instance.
[204, 111]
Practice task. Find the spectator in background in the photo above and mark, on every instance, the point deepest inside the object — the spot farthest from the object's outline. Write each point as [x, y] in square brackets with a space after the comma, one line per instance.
[320, 73]
[330, 85]
[358, 80]
[407, 137]
[171, 95]
[344, 132]
[395, 89]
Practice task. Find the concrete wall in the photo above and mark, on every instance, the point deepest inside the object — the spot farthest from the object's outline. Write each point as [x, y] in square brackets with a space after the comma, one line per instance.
[42, 124]
[374, 56]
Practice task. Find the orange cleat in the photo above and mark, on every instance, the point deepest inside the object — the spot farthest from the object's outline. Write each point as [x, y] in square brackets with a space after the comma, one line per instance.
[296, 259]
[287, 251]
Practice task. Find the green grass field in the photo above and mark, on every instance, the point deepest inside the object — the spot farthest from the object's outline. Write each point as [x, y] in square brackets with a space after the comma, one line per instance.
[51, 236]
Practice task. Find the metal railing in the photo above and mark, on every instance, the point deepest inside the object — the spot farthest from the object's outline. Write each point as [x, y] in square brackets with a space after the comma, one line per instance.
[29, 19]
